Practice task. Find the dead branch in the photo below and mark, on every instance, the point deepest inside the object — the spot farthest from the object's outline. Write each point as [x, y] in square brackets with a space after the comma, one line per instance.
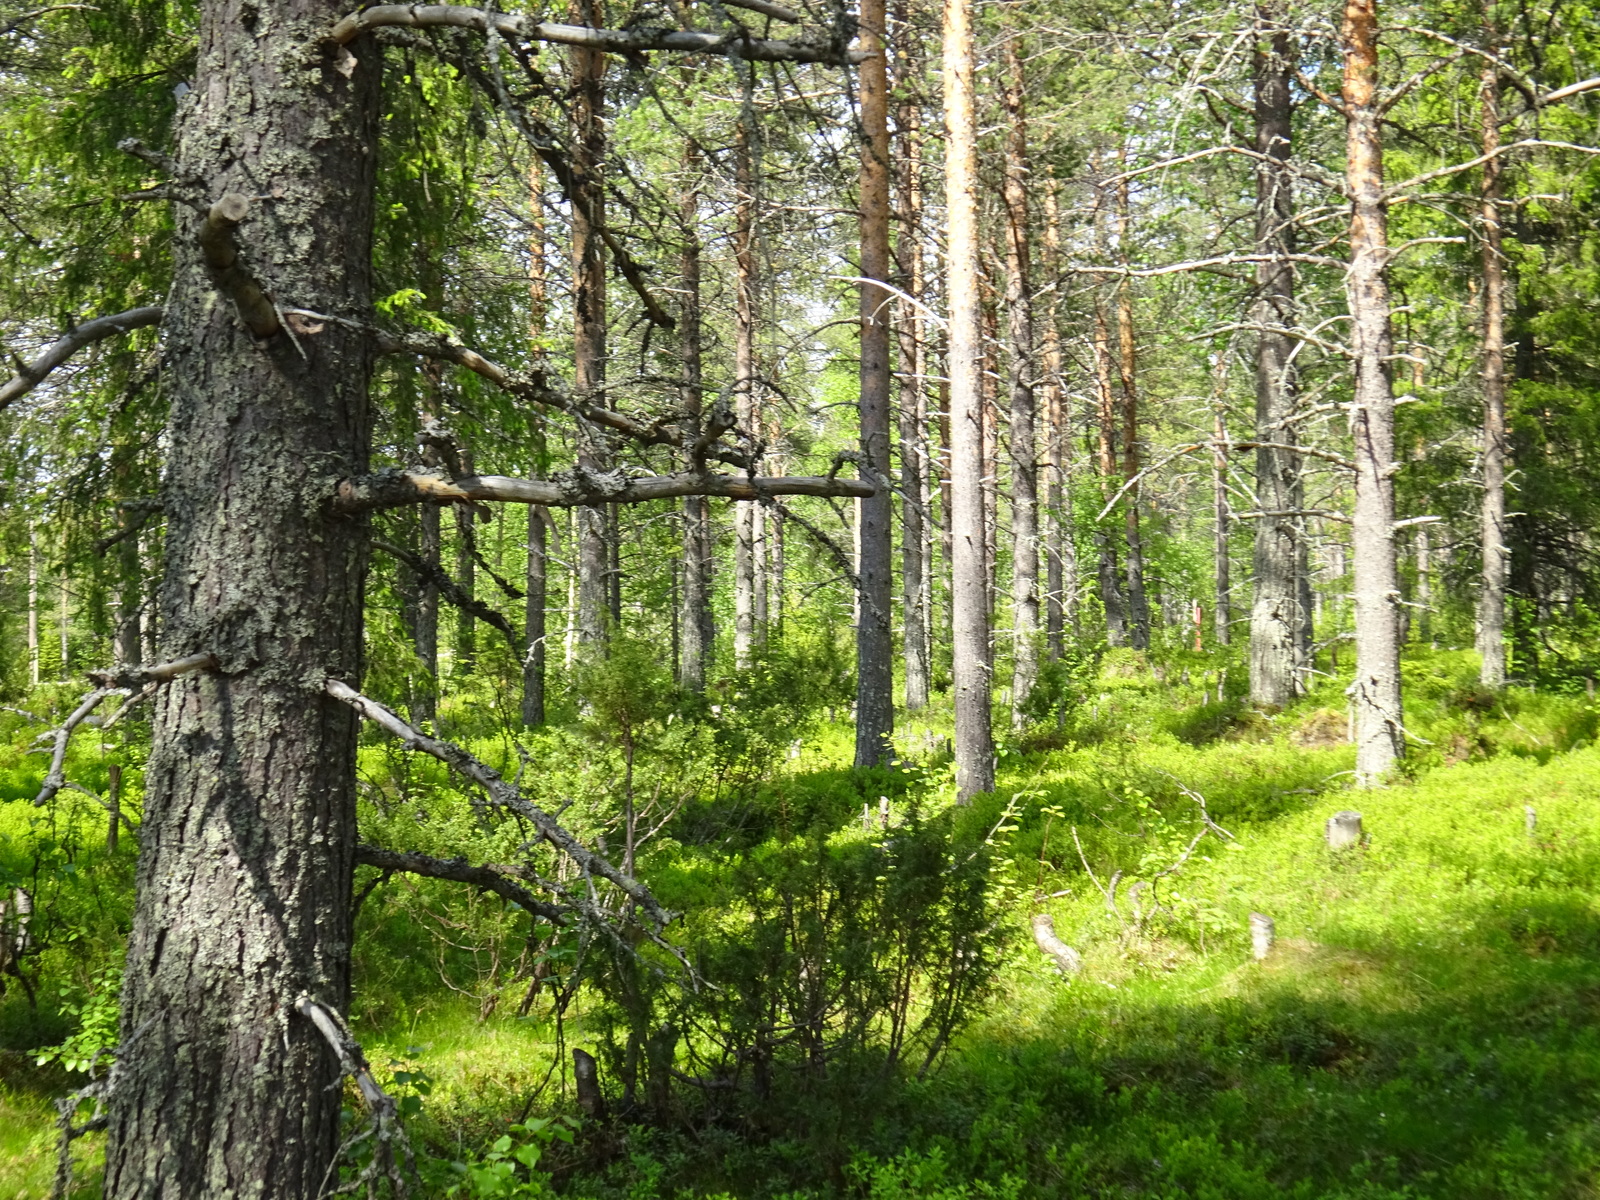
[31, 375]
[491, 877]
[501, 794]
[136, 677]
[385, 1119]
[1067, 960]
[734, 43]
[221, 250]
[55, 779]
[452, 591]
[576, 487]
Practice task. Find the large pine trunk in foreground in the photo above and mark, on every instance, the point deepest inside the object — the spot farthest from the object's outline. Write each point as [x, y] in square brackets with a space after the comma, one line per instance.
[249, 824]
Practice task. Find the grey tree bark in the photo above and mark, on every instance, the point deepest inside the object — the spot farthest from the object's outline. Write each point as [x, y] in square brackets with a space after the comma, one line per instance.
[1111, 598]
[915, 544]
[1024, 440]
[1060, 548]
[1127, 365]
[1275, 611]
[536, 581]
[968, 599]
[249, 823]
[587, 107]
[1375, 694]
[874, 635]
[1491, 636]
[696, 628]
[747, 406]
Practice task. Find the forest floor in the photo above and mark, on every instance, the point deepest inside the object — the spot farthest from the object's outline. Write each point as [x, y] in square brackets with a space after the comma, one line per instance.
[1427, 1023]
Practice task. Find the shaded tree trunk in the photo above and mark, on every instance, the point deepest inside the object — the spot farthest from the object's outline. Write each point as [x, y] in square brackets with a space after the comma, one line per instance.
[1221, 517]
[536, 580]
[1275, 612]
[968, 598]
[587, 107]
[697, 632]
[1024, 447]
[243, 895]
[1491, 635]
[1379, 725]
[466, 655]
[915, 545]
[1111, 599]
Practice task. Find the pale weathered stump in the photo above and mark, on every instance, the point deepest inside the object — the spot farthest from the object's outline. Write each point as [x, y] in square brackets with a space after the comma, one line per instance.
[1067, 960]
[1344, 830]
[1531, 818]
[1262, 934]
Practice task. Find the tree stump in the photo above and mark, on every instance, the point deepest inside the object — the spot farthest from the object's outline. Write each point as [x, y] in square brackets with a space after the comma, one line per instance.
[1262, 934]
[586, 1076]
[1068, 961]
[1344, 830]
[1530, 818]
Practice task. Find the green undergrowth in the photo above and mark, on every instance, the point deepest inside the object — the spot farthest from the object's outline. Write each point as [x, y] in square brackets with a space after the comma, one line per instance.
[1424, 1026]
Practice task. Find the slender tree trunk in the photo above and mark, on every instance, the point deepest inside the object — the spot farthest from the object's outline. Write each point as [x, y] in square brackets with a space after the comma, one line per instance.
[1275, 612]
[1060, 551]
[1024, 441]
[1221, 517]
[1105, 455]
[244, 875]
[466, 656]
[1492, 597]
[968, 599]
[746, 403]
[587, 106]
[874, 634]
[915, 545]
[697, 632]
[1379, 724]
[536, 582]
[63, 624]
[425, 697]
[125, 638]
[989, 388]
[1127, 362]
[33, 606]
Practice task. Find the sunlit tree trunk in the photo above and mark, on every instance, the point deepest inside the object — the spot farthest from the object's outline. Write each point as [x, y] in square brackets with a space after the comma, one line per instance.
[1221, 515]
[968, 598]
[1379, 727]
[746, 403]
[1492, 596]
[1060, 549]
[1275, 612]
[1024, 442]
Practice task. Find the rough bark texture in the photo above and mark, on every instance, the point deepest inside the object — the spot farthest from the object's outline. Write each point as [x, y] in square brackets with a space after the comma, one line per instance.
[915, 545]
[1221, 515]
[968, 601]
[1379, 727]
[589, 316]
[696, 630]
[249, 822]
[1275, 616]
[874, 634]
[1492, 596]
[1024, 440]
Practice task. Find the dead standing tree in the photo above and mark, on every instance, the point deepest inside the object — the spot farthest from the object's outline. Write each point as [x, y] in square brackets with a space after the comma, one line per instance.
[242, 920]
